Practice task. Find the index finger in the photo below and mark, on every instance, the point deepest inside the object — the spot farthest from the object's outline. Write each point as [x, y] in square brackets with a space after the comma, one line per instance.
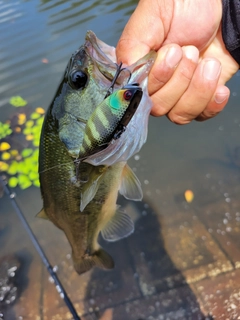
[143, 32]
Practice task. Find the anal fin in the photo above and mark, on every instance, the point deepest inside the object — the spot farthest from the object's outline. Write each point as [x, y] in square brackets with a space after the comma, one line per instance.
[120, 226]
[42, 214]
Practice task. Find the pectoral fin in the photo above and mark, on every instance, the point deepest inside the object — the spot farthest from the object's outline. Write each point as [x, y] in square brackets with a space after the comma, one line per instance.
[130, 185]
[120, 226]
[90, 188]
[42, 214]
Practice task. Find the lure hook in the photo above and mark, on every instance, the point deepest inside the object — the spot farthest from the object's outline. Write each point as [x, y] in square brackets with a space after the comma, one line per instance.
[119, 70]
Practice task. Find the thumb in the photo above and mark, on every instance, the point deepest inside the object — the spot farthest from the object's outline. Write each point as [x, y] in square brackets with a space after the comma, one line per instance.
[143, 32]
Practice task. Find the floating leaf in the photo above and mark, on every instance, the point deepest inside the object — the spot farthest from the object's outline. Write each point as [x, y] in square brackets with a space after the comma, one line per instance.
[36, 143]
[3, 166]
[23, 167]
[4, 146]
[13, 152]
[13, 168]
[6, 156]
[33, 175]
[5, 130]
[22, 178]
[35, 115]
[27, 131]
[40, 110]
[29, 137]
[36, 183]
[26, 152]
[13, 182]
[17, 129]
[21, 119]
[35, 155]
[40, 122]
[26, 184]
[189, 195]
[29, 123]
[17, 101]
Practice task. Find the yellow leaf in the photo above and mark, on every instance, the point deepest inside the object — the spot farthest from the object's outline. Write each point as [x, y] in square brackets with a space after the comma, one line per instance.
[17, 129]
[6, 156]
[14, 153]
[40, 110]
[189, 196]
[3, 166]
[29, 137]
[21, 118]
[4, 146]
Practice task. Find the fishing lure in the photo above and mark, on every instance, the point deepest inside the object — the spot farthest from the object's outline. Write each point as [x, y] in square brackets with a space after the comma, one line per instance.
[110, 119]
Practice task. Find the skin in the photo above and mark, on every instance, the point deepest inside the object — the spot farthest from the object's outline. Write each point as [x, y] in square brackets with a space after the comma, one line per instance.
[188, 78]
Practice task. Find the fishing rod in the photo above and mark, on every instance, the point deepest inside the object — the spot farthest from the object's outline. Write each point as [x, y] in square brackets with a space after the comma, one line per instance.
[57, 282]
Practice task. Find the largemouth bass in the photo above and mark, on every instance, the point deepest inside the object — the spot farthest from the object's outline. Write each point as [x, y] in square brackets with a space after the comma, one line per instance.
[80, 193]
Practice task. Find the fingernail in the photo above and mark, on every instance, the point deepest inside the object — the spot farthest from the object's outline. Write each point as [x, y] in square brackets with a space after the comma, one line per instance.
[211, 69]
[220, 98]
[173, 56]
[191, 53]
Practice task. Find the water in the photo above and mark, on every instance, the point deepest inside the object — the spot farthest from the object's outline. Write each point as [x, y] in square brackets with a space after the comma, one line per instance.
[163, 270]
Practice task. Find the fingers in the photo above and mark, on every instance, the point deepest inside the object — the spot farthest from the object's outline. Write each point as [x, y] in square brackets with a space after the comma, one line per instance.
[175, 79]
[135, 41]
[217, 103]
[189, 90]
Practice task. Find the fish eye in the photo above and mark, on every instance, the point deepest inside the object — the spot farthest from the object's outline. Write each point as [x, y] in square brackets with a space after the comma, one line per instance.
[127, 95]
[78, 79]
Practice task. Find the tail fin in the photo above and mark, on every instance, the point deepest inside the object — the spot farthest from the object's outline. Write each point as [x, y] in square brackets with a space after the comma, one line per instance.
[99, 259]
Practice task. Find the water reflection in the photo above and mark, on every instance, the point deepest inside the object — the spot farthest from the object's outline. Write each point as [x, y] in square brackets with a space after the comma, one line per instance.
[71, 14]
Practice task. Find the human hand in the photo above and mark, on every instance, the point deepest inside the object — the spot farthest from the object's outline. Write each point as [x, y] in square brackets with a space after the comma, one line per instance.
[188, 78]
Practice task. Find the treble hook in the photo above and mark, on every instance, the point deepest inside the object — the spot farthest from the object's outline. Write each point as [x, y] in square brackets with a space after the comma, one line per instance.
[119, 70]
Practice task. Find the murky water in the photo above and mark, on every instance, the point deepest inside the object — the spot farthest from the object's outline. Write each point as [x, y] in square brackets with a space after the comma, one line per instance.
[176, 246]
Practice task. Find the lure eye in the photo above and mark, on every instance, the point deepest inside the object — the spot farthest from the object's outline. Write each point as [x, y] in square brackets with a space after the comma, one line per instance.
[79, 79]
[127, 95]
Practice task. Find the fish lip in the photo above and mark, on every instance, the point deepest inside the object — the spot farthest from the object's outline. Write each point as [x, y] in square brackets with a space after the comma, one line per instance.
[103, 57]
[94, 48]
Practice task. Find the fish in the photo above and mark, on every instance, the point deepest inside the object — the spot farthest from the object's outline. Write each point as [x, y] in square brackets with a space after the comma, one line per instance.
[80, 187]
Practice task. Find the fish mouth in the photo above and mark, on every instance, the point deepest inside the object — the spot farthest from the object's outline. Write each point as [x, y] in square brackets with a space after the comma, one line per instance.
[105, 59]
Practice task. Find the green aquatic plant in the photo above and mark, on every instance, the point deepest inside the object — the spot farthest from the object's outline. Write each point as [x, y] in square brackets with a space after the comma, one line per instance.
[5, 130]
[19, 141]
[17, 101]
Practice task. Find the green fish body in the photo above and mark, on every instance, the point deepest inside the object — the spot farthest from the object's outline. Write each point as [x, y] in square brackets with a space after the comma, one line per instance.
[79, 197]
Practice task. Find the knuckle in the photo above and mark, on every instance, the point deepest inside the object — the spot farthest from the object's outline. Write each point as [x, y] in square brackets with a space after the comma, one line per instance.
[186, 74]
[160, 107]
[179, 119]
